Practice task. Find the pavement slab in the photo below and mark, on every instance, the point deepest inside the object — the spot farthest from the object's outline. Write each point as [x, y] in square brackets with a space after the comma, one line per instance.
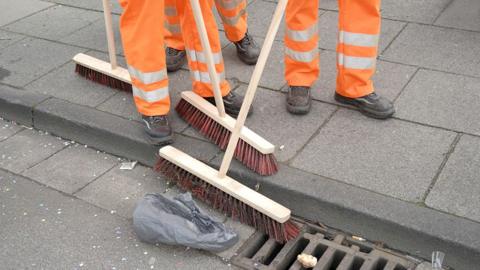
[457, 188]
[9, 38]
[32, 58]
[8, 129]
[72, 168]
[26, 149]
[65, 83]
[389, 79]
[395, 158]
[48, 23]
[437, 48]
[441, 99]
[13, 10]
[89, 4]
[272, 76]
[425, 11]
[462, 14]
[93, 36]
[328, 31]
[44, 229]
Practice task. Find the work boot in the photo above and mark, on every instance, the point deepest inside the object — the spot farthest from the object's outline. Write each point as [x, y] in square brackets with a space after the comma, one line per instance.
[247, 50]
[299, 100]
[371, 105]
[175, 58]
[233, 103]
[158, 129]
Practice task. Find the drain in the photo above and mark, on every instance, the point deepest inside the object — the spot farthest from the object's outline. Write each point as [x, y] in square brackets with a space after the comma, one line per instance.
[333, 249]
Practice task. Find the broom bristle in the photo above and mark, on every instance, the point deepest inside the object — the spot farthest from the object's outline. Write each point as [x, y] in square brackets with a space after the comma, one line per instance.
[263, 164]
[102, 78]
[226, 203]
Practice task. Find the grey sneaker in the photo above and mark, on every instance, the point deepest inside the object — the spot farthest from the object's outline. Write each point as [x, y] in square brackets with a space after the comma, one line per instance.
[158, 129]
[371, 105]
[175, 59]
[299, 100]
[247, 50]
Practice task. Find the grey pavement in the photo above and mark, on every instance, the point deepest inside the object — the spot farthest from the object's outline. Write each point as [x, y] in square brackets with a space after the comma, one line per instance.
[73, 210]
[429, 65]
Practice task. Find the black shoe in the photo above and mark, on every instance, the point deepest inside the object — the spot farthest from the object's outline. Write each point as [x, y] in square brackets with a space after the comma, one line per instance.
[299, 100]
[247, 50]
[175, 58]
[158, 129]
[233, 103]
[371, 105]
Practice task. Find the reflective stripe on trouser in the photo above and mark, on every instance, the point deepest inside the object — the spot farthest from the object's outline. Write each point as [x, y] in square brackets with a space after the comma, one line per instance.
[359, 30]
[196, 57]
[142, 30]
[301, 43]
[234, 18]
[235, 25]
[173, 33]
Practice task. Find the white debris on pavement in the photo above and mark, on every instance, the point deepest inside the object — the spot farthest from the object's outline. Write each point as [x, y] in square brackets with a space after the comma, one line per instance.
[128, 165]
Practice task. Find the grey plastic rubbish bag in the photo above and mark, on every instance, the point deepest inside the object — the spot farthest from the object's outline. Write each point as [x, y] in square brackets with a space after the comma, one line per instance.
[179, 221]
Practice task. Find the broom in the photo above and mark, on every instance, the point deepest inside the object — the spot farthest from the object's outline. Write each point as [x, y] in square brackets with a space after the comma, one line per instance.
[215, 187]
[252, 150]
[109, 74]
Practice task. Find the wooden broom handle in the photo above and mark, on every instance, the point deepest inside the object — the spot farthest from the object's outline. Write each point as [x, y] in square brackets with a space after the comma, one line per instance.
[212, 71]
[252, 86]
[107, 14]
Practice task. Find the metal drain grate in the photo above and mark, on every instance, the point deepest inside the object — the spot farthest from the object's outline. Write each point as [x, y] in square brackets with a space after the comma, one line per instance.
[334, 250]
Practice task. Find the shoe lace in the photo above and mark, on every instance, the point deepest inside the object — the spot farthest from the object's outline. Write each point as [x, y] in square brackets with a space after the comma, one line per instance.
[161, 119]
[247, 40]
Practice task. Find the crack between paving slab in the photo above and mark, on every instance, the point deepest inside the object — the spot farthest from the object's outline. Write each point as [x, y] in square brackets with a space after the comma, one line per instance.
[45, 159]
[29, 15]
[441, 12]
[442, 166]
[405, 86]
[288, 161]
[94, 179]
[393, 39]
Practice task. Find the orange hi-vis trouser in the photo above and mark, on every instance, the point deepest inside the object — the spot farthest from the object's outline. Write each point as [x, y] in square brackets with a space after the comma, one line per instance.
[232, 13]
[142, 29]
[359, 29]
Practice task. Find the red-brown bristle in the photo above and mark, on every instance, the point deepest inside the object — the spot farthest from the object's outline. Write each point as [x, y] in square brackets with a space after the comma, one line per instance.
[102, 78]
[226, 203]
[263, 164]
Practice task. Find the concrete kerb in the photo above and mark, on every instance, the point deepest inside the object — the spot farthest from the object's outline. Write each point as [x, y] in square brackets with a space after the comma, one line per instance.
[399, 224]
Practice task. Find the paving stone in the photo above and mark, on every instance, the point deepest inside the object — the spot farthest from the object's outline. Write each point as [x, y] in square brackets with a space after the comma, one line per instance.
[13, 10]
[390, 157]
[119, 190]
[16, 104]
[437, 48]
[89, 4]
[45, 24]
[440, 99]
[8, 129]
[8, 38]
[27, 148]
[122, 103]
[424, 11]
[328, 29]
[72, 168]
[94, 37]
[389, 79]
[457, 188]
[461, 14]
[236, 69]
[31, 58]
[44, 229]
[65, 84]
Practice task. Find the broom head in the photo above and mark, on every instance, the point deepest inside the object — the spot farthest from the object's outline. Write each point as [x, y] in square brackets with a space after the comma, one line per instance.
[227, 195]
[252, 150]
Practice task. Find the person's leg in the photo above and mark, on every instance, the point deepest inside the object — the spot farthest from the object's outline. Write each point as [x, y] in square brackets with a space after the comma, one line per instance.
[197, 59]
[359, 31]
[175, 49]
[234, 18]
[142, 30]
[301, 53]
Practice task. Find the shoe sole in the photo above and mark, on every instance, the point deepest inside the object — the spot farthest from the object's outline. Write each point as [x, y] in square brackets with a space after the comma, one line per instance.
[367, 112]
[248, 61]
[299, 110]
[160, 141]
